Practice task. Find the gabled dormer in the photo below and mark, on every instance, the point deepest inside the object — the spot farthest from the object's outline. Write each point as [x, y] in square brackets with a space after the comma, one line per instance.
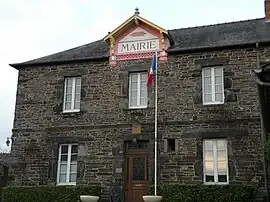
[137, 38]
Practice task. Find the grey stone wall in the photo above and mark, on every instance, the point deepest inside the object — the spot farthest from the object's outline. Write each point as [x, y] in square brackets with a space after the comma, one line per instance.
[104, 119]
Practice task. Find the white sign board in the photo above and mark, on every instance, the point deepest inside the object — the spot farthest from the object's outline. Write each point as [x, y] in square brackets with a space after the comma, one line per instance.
[138, 40]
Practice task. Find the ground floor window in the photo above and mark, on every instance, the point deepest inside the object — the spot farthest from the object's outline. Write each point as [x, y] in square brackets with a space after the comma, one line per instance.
[215, 161]
[67, 164]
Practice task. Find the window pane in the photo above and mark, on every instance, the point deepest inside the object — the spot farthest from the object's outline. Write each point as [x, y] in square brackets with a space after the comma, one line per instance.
[134, 94]
[73, 177]
[63, 168]
[143, 84]
[69, 82]
[222, 165]
[209, 178]
[78, 81]
[68, 90]
[221, 144]
[74, 149]
[134, 77]
[221, 155]
[218, 97]
[143, 101]
[77, 105]
[208, 89]
[73, 168]
[133, 102]
[207, 72]
[207, 81]
[218, 71]
[68, 97]
[222, 178]
[207, 97]
[68, 105]
[77, 97]
[208, 145]
[64, 149]
[134, 86]
[218, 88]
[78, 90]
[143, 77]
[62, 178]
[208, 156]
[143, 93]
[73, 158]
[218, 80]
[64, 158]
[209, 165]
[138, 168]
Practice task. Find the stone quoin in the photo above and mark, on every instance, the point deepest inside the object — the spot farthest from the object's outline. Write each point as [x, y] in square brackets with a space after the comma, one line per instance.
[86, 116]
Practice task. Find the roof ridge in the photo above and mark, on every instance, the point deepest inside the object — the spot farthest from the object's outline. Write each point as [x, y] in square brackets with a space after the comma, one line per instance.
[223, 23]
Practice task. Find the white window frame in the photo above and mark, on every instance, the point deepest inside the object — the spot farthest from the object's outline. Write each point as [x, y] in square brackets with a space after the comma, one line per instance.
[138, 91]
[213, 85]
[72, 97]
[68, 165]
[215, 162]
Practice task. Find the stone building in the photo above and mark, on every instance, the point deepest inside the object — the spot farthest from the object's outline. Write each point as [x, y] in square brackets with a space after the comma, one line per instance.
[86, 116]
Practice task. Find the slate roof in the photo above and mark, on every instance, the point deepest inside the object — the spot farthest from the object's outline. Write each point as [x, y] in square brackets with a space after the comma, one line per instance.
[185, 39]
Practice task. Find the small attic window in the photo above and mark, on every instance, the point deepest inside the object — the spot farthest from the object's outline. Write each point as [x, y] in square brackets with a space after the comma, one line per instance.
[171, 145]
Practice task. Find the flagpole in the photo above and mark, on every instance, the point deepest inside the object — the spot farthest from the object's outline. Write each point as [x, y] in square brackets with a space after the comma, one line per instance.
[156, 124]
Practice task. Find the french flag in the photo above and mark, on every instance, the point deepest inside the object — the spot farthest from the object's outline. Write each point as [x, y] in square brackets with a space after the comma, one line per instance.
[152, 70]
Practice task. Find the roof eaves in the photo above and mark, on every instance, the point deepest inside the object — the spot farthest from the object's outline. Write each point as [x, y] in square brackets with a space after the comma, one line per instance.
[58, 62]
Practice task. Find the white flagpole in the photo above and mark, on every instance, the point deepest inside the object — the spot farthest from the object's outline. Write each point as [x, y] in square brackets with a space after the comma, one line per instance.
[156, 114]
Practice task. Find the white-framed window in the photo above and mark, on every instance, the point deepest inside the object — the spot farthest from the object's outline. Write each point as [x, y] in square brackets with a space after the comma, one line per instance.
[72, 94]
[215, 161]
[137, 90]
[67, 164]
[212, 85]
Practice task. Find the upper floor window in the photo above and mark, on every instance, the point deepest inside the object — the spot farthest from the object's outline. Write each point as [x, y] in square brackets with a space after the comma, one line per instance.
[67, 164]
[215, 161]
[72, 94]
[137, 90]
[212, 85]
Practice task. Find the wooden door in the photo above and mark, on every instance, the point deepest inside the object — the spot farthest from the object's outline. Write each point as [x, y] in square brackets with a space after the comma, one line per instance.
[136, 174]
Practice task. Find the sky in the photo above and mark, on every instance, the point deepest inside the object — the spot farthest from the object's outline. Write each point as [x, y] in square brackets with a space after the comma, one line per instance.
[34, 28]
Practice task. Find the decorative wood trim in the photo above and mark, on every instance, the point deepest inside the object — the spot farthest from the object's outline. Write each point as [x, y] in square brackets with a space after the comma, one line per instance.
[112, 43]
[162, 40]
[135, 18]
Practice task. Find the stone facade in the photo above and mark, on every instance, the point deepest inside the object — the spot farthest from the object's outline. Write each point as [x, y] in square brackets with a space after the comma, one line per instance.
[105, 121]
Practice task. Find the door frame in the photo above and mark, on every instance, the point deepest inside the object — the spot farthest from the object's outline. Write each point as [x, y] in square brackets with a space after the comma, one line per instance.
[128, 155]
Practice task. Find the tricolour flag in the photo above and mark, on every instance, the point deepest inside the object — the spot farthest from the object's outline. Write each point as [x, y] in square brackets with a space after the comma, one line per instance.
[152, 70]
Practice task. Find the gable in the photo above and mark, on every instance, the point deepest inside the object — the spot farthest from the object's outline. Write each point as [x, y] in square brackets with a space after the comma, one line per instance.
[137, 38]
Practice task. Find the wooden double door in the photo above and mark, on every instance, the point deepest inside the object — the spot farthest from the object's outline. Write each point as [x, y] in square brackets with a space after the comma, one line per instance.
[136, 175]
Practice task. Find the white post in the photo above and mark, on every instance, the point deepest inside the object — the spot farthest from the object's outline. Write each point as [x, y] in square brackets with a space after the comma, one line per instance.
[156, 114]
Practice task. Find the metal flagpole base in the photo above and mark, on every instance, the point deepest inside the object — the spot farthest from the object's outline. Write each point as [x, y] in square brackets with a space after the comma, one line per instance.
[152, 198]
[87, 198]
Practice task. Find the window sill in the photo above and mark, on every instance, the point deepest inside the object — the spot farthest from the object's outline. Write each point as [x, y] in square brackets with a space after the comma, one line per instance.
[66, 184]
[212, 103]
[139, 107]
[216, 183]
[71, 111]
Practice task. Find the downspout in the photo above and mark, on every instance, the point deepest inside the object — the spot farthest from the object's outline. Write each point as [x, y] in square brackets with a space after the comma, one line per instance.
[261, 86]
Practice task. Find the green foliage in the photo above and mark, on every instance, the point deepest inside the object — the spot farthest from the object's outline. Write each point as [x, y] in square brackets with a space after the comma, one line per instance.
[206, 193]
[48, 193]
